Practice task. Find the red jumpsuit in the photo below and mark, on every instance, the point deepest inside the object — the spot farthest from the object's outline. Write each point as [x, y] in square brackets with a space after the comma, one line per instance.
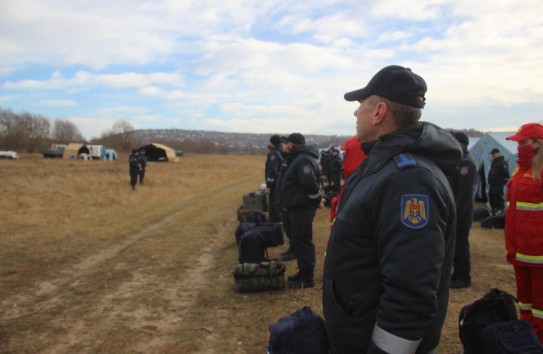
[353, 156]
[524, 242]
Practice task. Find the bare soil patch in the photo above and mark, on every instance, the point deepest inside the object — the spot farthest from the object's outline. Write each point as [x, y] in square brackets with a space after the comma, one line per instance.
[87, 266]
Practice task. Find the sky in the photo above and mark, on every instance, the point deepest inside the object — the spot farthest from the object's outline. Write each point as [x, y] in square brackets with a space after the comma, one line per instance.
[267, 66]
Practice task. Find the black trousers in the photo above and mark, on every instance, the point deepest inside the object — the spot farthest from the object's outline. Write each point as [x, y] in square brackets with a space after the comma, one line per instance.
[141, 174]
[495, 197]
[300, 222]
[274, 206]
[133, 177]
[462, 262]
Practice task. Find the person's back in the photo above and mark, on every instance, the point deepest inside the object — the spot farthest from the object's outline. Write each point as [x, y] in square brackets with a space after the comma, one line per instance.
[497, 178]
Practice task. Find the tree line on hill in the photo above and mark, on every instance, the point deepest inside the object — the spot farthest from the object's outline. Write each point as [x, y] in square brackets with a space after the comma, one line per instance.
[36, 133]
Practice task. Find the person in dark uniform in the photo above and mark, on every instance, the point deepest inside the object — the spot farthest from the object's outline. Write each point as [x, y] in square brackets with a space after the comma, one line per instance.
[300, 198]
[274, 161]
[498, 175]
[462, 186]
[143, 165]
[289, 254]
[133, 168]
[325, 169]
[390, 253]
[336, 171]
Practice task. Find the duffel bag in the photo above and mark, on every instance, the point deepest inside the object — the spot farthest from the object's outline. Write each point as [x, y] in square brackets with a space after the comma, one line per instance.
[251, 277]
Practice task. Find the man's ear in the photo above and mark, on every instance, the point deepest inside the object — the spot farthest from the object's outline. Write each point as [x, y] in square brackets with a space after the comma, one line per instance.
[379, 113]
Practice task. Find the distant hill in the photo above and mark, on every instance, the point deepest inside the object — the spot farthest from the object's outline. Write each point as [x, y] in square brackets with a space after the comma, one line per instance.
[225, 142]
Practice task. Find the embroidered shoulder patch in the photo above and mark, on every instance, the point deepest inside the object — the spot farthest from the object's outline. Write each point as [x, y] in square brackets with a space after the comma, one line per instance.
[415, 210]
[306, 170]
[404, 160]
[464, 170]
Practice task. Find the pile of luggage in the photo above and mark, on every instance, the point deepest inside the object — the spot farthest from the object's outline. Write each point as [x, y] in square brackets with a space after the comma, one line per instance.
[255, 271]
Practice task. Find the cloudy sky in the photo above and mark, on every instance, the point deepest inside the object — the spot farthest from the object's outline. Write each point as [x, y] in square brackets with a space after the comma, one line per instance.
[267, 66]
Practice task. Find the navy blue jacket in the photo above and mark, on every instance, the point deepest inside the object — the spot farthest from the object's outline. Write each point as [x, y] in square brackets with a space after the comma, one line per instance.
[300, 186]
[462, 186]
[389, 258]
[274, 161]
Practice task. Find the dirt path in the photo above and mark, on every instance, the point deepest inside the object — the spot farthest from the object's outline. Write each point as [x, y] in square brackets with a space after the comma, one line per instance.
[142, 302]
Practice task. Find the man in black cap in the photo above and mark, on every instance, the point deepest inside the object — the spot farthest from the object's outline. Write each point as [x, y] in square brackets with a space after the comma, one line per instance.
[134, 167]
[462, 186]
[143, 164]
[498, 175]
[300, 198]
[389, 257]
[274, 161]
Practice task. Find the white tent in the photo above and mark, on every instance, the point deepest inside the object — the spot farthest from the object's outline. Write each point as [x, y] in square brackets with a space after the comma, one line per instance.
[480, 150]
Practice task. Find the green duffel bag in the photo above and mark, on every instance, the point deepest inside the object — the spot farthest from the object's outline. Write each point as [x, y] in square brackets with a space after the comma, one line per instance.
[250, 277]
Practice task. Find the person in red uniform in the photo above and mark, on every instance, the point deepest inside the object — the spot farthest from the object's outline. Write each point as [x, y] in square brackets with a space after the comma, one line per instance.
[524, 223]
[352, 157]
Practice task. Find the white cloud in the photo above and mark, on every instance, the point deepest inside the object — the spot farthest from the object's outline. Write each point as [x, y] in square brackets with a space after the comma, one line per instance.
[59, 103]
[266, 65]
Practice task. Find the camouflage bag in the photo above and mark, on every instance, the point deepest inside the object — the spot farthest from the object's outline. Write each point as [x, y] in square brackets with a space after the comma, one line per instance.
[250, 277]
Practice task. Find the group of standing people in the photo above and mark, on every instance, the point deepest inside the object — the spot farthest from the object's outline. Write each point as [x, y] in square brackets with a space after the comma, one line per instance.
[399, 238]
[137, 164]
[293, 184]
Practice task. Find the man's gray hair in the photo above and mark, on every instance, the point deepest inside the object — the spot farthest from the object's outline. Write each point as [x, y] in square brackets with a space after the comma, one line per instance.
[403, 114]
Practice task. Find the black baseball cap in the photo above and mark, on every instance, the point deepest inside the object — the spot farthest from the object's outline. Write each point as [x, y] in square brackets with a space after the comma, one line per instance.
[461, 137]
[296, 138]
[396, 83]
[275, 139]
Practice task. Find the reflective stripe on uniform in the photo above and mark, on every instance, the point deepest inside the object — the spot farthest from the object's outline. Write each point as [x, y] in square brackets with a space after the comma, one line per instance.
[529, 259]
[529, 206]
[524, 306]
[270, 179]
[314, 196]
[537, 313]
[391, 343]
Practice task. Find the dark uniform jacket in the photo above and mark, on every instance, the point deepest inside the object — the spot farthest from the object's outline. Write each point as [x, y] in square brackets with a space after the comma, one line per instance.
[300, 186]
[143, 161]
[462, 186]
[273, 164]
[389, 258]
[499, 172]
[133, 163]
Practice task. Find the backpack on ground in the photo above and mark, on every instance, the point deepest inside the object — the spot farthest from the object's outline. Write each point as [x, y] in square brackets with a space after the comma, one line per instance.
[480, 214]
[251, 215]
[252, 247]
[303, 332]
[495, 306]
[511, 337]
[494, 222]
[250, 277]
[271, 232]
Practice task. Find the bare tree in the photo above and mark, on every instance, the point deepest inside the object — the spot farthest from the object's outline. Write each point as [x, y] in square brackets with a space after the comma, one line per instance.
[23, 131]
[65, 132]
[121, 136]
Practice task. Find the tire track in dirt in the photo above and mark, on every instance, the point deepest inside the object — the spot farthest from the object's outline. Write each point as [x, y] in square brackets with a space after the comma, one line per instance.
[160, 324]
[49, 294]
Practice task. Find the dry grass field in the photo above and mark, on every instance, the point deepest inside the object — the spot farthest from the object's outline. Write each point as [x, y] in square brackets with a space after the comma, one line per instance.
[88, 266]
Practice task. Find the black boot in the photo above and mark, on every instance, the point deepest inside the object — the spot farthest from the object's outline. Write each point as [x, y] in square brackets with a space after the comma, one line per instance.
[302, 279]
[288, 255]
[294, 278]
